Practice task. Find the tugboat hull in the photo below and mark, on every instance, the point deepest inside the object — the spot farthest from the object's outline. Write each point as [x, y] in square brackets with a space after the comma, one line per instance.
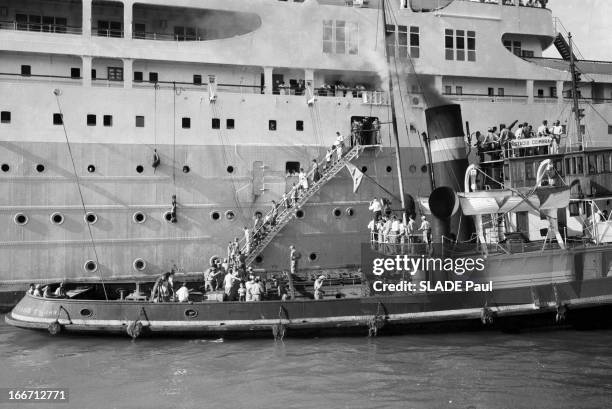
[572, 304]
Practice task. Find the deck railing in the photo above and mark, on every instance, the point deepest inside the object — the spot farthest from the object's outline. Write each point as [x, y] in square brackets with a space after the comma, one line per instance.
[39, 27]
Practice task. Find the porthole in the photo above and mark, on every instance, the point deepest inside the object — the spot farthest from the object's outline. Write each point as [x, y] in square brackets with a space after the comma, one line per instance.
[57, 218]
[186, 169]
[230, 169]
[337, 212]
[91, 168]
[5, 167]
[40, 168]
[389, 169]
[350, 212]
[91, 218]
[139, 217]
[20, 219]
[86, 312]
[139, 264]
[424, 168]
[364, 169]
[258, 259]
[215, 215]
[412, 169]
[191, 313]
[139, 169]
[167, 216]
[313, 256]
[230, 215]
[90, 266]
[299, 214]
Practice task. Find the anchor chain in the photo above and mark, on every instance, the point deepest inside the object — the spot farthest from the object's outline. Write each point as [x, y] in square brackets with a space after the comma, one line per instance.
[134, 328]
[55, 327]
[376, 322]
[487, 316]
[279, 330]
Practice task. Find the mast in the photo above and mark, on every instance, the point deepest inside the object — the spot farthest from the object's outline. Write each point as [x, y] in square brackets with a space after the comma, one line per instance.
[393, 117]
[575, 78]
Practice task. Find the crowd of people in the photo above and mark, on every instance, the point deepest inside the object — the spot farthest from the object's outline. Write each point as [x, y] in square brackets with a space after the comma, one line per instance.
[388, 228]
[523, 3]
[498, 141]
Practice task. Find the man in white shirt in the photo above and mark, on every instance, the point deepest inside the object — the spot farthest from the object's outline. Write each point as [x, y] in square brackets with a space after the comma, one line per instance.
[557, 131]
[395, 227]
[543, 129]
[426, 229]
[183, 293]
[410, 228]
[376, 207]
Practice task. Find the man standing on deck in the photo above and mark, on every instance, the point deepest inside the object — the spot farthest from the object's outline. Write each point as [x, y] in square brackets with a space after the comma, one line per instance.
[294, 256]
[376, 208]
[426, 229]
[557, 131]
[318, 288]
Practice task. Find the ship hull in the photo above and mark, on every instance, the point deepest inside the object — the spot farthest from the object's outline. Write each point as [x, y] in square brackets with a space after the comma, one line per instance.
[582, 304]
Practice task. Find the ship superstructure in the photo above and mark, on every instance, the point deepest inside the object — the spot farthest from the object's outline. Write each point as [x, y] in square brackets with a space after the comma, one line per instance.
[208, 110]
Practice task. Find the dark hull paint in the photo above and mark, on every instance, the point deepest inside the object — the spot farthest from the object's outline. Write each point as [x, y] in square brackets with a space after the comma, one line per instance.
[581, 304]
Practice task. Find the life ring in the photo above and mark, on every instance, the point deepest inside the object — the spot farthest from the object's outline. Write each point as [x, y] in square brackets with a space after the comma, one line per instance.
[211, 262]
[134, 329]
[54, 328]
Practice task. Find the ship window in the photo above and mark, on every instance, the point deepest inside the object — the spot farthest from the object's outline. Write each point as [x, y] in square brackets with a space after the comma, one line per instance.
[139, 264]
[139, 168]
[292, 168]
[606, 162]
[540, 93]
[139, 217]
[197, 79]
[582, 127]
[90, 266]
[5, 117]
[569, 166]
[328, 36]
[229, 123]
[448, 89]
[5, 167]
[75, 73]
[57, 119]
[230, 169]
[609, 128]
[91, 120]
[115, 74]
[337, 212]
[107, 120]
[93, 74]
[216, 123]
[91, 168]
[459, 90]
[491, 92]
[592, 164]
[508, 45]
[390, 37]
[299, 125]
[153, 77]
[57, 218]
[402, 42]
[186, 123]
[350, 212]
[26, 70]
[448, 44]
[272, 124]
[340, 37]
[574, 209]
[460, 44]
[471, 45]
[516, 48]
[186, 169]
[501, 92]
[20, 219]
[579, 168]
[600, 163]
[138, 76]
[91, 218]
[140, 121]
[414, 42]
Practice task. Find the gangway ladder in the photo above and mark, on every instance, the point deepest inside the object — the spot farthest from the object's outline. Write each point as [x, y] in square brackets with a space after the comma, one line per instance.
[267, 231]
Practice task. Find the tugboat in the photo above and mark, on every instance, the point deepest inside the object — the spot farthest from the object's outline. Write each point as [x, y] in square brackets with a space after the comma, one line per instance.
[529, 217]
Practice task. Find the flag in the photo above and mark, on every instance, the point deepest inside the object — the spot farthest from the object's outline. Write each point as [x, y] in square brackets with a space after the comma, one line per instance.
[356, 174]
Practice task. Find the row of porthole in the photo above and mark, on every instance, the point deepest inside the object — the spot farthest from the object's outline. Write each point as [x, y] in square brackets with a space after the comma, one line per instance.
[90, 218]
[91, 266]
[21, 219]
[91, 168]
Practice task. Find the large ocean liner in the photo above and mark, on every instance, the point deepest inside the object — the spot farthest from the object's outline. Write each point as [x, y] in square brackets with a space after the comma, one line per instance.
[138, 135]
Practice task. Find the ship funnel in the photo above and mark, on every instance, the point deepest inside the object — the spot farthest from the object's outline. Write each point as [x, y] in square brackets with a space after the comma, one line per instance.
[448, 156]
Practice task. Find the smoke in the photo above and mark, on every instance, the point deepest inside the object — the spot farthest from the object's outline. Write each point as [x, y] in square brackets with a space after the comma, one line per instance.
[433, 97]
